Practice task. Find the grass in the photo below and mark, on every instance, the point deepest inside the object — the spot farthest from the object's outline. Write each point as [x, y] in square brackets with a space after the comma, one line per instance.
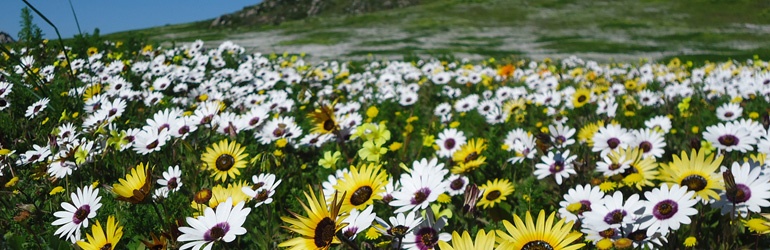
[562, 26]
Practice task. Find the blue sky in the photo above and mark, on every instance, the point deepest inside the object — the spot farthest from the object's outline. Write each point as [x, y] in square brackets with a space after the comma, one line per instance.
[114, 15]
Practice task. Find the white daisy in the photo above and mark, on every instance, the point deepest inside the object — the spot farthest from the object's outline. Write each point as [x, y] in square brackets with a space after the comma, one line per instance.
[449, 141]
[421, 187]
[400, 225]
[751, 191]
[650, 142]
[614, 212]
[427, 234]
[223, 224]
[668, 208]
[35, 109]
[358, 221]
[457, 184]
[263, 189]
[729, 112]
[561, 136]
[579, 200]
[172, 179]
[729, 137]
[611, 137]
[85, 203]
[557, 164]
[662, 123]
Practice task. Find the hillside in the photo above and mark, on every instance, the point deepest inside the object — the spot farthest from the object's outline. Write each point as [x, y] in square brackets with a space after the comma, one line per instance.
[604, 30]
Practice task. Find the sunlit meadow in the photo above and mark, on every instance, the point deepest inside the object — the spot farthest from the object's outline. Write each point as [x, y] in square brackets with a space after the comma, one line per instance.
[125, 145]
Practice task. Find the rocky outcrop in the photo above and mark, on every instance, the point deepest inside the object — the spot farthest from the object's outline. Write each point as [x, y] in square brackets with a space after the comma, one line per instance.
[6, 38]
[278, 11]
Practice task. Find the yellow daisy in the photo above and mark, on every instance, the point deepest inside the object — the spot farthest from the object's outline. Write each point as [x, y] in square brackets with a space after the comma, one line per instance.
[581, 97]
[698, 172]
[98, 240]
[136, 186]
[494, 192]
[364, 185]
[324, 120]
[224, 159]
[642, 171]
[220, 194]
[469, 157]
[543, 235]
[586, 134]
[483, 241]
[319, 229]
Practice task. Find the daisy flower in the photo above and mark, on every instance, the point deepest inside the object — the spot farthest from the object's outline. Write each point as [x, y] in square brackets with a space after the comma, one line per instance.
[559, 165]
[34, 109]
[542, 234]
[469, 157]
[136, 186]
[357, 222]
[650, 142]
[400, 225]
[103, 240]
[616, 162]
[149, 140]
[224, 159]
[729, 112]
[661, 123]
[668, 208]
[494, 192]
[729, 137]
[263, 189]
[449, 141]
[85, 203]
[561, 136]
[483, 240]
[579, 200]
[319, 229]
[457, 184]
[223, 224]
[171, 179]
[611, 137]
[749, 191]
[362, 185]
[642, 172]
[697, 172]
[421, 187]
[426, 235]
[614, 212]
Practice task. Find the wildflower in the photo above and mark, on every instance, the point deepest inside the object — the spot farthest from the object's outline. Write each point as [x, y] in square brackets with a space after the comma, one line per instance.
[371, 151]
[330, 160]
[224, 223]
[494, 192]
[319, 229]
[85, 203]
[101, 240]
[224, 159]
[136, 186]
[668, 208]
[363, 186]
[543, 234]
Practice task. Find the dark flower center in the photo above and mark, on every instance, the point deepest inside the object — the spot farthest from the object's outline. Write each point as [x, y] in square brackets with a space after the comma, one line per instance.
[742, 194]
[638, 235]
[609, 233]
[457, 184]
[560, 139]
[614, 166]
[398, 231]
[329, 125]
[729, 114]
[172, 183]
[152, 145]
[694, 182]
[665, 209]
[324, 233]
[262, 195]
[728, 140]
[585, 206]
[107, 246]
[81, 214]
[253, 121]
[225, 162]
[449, 143]
[645, 146]
[420, 196]
[491, 196]
[556, 167]
[613, 143]
[615, 217]
[216, 232]
[537, 245]
[472, 156]
[361, 195]
[427, 238]
[582, 98]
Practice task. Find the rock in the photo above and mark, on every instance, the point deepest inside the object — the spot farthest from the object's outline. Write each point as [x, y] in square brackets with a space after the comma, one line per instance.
[6, 38]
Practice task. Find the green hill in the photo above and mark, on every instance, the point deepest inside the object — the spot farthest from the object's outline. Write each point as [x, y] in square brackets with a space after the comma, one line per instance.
[603, 30]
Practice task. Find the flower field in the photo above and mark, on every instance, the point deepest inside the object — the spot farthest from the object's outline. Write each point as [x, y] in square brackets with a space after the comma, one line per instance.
[131, 146]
